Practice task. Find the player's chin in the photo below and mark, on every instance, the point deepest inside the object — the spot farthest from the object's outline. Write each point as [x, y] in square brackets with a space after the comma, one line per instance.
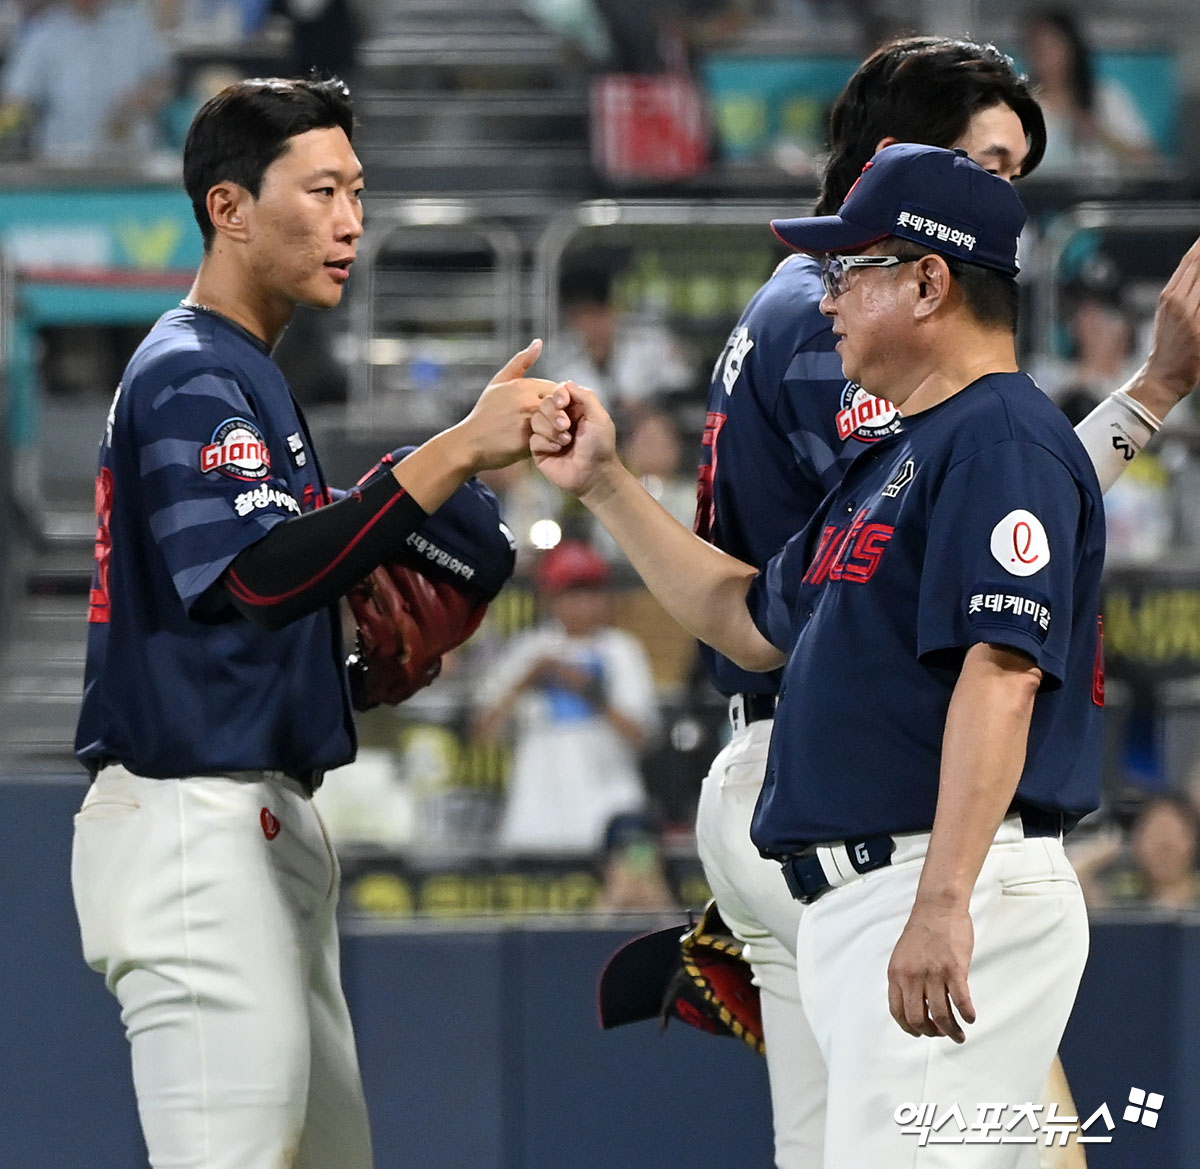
[322, 293]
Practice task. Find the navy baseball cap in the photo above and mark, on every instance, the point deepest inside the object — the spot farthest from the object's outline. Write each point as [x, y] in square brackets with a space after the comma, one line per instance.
[933, 197]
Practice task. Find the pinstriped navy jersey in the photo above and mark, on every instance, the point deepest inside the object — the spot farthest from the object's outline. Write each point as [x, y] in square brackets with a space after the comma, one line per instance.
[783, 425]
[982, 521]
[204, 452]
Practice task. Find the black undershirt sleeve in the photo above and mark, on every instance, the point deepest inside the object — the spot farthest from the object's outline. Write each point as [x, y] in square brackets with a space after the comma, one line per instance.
[309, 561]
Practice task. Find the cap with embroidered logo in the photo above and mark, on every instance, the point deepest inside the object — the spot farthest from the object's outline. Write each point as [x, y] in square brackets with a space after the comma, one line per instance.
[938, 198]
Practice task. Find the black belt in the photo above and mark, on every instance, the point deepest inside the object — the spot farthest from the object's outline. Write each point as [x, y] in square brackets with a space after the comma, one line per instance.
[757, 707]
[309, 780]
[805, 875]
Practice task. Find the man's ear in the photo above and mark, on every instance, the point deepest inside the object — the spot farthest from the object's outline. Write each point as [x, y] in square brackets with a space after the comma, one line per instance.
[933, 284]
[883, 142]
[227, 208]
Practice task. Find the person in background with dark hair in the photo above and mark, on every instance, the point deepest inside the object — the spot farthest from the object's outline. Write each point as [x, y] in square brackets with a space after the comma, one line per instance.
[784, 423]
[629, 361]
[1154, 865]
[1092, 126]
[215, 688]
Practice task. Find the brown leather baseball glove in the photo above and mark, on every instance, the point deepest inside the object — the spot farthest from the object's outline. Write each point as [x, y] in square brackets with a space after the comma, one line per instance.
[430, 598]
[698, 976]
[406, 622]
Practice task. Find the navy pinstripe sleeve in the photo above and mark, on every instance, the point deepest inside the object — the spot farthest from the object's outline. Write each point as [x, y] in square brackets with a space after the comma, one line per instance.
[206, 478]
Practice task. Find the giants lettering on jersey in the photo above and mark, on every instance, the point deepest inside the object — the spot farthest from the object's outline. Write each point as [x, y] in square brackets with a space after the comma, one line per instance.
[865, 417]
[852, 553]
[237, 449]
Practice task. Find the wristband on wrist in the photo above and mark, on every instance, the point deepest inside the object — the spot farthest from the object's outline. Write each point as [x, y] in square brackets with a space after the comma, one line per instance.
[1138, 410]
[1113, 434]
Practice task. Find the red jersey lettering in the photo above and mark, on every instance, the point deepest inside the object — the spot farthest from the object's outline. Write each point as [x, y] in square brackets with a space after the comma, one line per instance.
[706, 505]
[237, 452]
[98, 598]
[851, 554]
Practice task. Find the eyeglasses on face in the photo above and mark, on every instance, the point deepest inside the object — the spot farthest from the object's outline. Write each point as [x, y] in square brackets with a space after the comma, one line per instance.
[835, 270]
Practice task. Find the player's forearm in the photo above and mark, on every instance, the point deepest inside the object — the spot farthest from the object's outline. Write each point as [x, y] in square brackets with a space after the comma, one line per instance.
[1114, 432]
[1157, 393]
[307, 562]
[703, 588]
[435, 471]
[983, 755]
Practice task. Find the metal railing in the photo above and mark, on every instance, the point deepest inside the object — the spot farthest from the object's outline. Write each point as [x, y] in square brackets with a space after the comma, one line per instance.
[433, 312]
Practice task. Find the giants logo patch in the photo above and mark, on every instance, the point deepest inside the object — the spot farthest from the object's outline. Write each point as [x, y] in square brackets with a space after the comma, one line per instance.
[238, 450]
[865, 417]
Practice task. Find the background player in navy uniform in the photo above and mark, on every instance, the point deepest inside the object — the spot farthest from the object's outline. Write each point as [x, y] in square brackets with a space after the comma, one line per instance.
[784, 423]
[215, 691]
[938, 718]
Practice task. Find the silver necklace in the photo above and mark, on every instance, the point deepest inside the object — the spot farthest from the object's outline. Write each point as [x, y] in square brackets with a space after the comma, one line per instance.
[204, 308]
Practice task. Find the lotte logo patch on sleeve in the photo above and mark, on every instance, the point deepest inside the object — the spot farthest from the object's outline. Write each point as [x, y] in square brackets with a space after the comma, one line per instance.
[1019, 543]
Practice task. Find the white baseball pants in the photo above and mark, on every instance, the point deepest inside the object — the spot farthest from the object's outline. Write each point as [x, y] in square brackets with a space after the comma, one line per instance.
[1031, 942]
[208, 904]
[759, 909]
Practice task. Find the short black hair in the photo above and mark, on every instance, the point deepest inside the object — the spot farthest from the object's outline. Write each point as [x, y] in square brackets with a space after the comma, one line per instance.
[237, 134]
[992, 296]
[926, 90]
[585, 286]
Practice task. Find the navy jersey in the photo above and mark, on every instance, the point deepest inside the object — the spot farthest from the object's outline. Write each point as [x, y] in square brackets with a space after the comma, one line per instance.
[204, 452]
[981, 521]
[783, 424]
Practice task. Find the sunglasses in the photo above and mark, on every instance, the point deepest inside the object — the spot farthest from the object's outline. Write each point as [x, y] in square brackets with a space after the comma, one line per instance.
[835, 270]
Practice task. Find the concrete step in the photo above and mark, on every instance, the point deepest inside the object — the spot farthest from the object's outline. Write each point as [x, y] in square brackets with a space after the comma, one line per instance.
[464, 47]
[482, 171]
[466, 121]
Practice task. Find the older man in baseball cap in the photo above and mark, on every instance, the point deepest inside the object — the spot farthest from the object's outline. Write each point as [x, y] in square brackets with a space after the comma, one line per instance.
[939, 211]
[938, 725]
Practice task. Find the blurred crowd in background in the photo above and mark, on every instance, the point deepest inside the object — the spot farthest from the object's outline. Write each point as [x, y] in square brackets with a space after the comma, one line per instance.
[556, 763]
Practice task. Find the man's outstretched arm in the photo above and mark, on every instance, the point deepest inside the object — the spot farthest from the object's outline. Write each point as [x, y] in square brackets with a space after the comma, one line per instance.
[574, 446]
[1128, 418]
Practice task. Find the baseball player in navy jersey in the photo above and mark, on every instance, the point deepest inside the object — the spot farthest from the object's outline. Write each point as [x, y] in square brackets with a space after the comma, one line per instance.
[937, 726]
[216, 693]
[784, 423]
